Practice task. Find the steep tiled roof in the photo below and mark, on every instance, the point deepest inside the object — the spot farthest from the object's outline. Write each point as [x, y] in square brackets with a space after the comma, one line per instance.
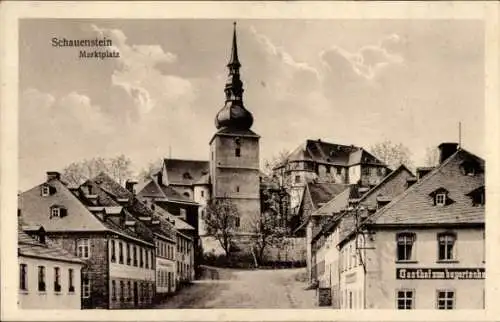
[324, 192]
[185, 172]
[35, 209]
[204, 180]
[335, 154]
[178, 222]
[155, 190]
[28, 246]
[415, 205]
[338, 203]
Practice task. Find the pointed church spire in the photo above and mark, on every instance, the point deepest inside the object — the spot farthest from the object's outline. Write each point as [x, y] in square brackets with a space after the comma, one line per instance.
[234, 61]
[233, 114]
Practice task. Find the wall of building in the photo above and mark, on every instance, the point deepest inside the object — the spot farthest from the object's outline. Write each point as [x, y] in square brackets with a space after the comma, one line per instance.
[354, 174]
[184, 259]
[352, 275]
[165, 267]
[381, 276]
[371, 175]
[201, 196]
[96, 267]
[34, 299]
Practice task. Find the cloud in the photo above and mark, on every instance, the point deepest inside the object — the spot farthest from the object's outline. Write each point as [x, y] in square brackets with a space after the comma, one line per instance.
[139, 77]
[366, 63]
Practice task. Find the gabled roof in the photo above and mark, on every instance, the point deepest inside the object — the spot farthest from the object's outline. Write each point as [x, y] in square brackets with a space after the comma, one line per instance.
[185, 172]
[178, 222]
[30, 247]
[321, 193]
[330, 153]
[35, 209]
[415, 205]
[167, 193]
[342, 201]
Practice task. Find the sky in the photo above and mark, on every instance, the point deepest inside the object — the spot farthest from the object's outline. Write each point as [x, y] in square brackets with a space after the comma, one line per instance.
[343, 81]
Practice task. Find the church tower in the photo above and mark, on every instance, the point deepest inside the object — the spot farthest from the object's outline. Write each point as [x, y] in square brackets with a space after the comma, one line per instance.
[234, 150]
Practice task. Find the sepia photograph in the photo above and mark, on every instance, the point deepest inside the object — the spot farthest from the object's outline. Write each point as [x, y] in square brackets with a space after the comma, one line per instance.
[250, 163]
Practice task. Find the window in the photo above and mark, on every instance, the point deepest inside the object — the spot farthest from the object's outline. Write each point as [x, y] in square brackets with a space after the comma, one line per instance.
[57, 279]
[237, 222]
[440, 199]
[404, 246]
[405, 299]
[83, 249]
[129, 286]
[113, 290]
[445, 299]
[71, 277]
[297, 179]
[182, 213]
[128, 254]
[122, 291]
[120, 252]
[135, 255]
[339, 171]
[237, 151]
[350, 299]
[141, 259]
[23, 277]
[112, 248]
[85, 286]
[41, 278]
[45, 190]
[147, 258]
[446, 243]
[202, 193]
[55, 212]
[237, 188]
[365, 171]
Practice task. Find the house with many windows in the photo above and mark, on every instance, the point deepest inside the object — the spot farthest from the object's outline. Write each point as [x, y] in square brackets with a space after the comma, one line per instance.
[116, 248]
[49, 277]
[329, 224]
[415, 252]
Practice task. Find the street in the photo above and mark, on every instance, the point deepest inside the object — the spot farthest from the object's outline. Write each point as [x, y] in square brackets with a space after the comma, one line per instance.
[233, 288]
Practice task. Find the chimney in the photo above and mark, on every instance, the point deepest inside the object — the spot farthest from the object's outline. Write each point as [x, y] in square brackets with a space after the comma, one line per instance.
[423, 171]
[446, 150]
[130, 185]
[159, 178]
[53, 175]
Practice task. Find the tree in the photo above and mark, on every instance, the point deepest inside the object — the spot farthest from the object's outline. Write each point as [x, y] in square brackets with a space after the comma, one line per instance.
[431, 157]
[271, 227]
[119, 168]
[392, 154]
[220, 222]
[270, 164]
[78, 172]
[152, 168]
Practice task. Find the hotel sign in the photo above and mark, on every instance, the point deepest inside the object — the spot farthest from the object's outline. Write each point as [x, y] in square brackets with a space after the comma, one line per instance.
[440, 273]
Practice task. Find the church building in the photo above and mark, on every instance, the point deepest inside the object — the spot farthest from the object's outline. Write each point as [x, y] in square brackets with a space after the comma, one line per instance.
[232, 171]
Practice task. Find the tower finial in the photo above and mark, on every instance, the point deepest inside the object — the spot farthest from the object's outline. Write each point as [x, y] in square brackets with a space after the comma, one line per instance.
[234, 61]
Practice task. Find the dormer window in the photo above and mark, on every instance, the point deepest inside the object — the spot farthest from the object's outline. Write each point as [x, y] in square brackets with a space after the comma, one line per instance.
[45, 190]
[477, 196]
[187, 176]
[57, 211]
[470, 168]
[440, 199]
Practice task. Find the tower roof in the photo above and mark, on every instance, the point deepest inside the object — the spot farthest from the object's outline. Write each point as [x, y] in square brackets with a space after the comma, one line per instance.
[233, 115]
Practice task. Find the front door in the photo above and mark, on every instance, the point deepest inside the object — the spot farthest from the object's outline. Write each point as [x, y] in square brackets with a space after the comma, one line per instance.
[136, 294]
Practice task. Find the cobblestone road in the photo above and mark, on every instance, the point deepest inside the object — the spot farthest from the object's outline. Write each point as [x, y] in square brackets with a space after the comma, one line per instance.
[245, 289]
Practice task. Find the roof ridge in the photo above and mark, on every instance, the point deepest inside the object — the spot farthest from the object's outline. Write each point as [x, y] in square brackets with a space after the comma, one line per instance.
[426, 178]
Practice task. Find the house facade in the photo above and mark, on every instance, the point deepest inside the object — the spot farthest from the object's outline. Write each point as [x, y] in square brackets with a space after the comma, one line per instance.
[414, 253]
[117, 250]
[49, 277]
